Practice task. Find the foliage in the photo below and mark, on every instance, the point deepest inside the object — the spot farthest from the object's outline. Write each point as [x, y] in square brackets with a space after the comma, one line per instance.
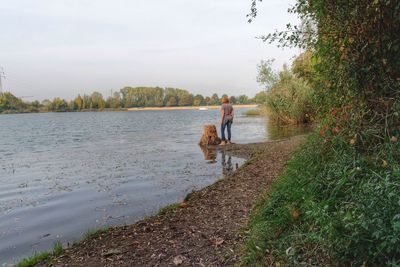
[168, 209]
[356, 51]
[337, 203]
[40, 257]
[114, 101]
[157, 96]
[266, 75]
[57, 105]
[303, 67]
[10, 103]
[289, 99]
[198, 100]
[186, 100]
[35, 259]
[143, 96]
[126, 98]
[232, 100]
[253, 112]
[92, 233]
[261, 97]
[77, 103]
[215, 100]
[243, 99]
[330, 207]
[97, 101]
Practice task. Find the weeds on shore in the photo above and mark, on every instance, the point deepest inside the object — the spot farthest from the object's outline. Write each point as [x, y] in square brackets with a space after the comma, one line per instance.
[168, 209]
[330, 207]
[253, 112]
[39, 257]
[92, 233]
[290, 93]
[58, 249]
[261, 110]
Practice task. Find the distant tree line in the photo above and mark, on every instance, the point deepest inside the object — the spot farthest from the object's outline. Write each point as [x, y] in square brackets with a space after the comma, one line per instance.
[127, 97]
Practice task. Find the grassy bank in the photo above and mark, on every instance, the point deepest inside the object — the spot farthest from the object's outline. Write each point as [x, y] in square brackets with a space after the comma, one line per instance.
[261, 110]
[191, 107]
[330, 207]
[39, 257]
[253, 112]
[58, 249]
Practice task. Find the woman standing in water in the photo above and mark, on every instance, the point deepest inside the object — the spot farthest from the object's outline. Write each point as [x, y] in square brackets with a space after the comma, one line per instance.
[226, 120]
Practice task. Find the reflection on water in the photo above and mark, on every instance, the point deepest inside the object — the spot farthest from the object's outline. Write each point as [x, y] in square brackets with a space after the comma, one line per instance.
[275, 132]
[272, 132]
[227, 167]
[210, 156]
[247, 126]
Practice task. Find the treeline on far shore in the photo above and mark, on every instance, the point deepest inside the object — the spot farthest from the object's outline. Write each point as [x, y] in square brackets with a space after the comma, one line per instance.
[127, 97]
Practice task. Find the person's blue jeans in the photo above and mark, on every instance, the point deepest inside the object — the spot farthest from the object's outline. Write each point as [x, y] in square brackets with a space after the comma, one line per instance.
[227, 125]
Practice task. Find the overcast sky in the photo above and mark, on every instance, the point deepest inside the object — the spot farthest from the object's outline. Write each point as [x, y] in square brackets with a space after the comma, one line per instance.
[52, 48]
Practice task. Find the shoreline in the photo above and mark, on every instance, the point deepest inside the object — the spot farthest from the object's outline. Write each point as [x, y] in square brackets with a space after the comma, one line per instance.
[203, 229]
[130, 109]
[191, 107]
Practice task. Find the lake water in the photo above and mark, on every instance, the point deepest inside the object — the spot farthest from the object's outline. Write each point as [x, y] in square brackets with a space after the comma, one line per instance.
[62, 174]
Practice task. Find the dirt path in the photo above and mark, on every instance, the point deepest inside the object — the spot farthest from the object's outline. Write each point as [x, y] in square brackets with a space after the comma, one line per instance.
[205, 230]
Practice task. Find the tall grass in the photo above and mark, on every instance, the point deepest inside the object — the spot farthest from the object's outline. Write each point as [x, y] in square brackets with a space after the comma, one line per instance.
[259, 111]
[40, 257]
[252, 112]
[289, 96]
[331, 206]
[290, 100]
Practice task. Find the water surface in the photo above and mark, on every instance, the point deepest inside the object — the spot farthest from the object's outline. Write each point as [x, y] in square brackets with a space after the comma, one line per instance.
[64, 173]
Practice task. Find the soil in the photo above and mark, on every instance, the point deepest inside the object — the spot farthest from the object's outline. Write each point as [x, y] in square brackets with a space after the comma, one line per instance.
[206, 229]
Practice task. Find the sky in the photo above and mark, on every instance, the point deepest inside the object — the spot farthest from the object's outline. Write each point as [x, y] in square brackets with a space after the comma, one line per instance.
[61, 48]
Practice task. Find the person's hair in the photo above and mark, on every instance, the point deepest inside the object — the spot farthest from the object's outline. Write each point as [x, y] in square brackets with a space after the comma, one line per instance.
[225, 100]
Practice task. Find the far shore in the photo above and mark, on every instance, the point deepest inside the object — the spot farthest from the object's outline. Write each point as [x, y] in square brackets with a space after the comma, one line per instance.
[190, 107]
[133, 109]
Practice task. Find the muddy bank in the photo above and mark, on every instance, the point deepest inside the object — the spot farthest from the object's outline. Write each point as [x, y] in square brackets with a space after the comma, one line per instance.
[204, 230]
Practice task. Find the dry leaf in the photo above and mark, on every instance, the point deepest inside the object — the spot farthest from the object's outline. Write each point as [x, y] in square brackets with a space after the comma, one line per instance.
[335, 130]
[219, 241]
[178, 260]
[112, 252]
[278, 232]
[295, 214]
[384, 163]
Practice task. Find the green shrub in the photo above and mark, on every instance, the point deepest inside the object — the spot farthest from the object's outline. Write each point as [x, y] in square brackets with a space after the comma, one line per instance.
[345, 185]
[40, 257]
[260, 111]
[252, 112]
[289, 95]
[290, 100]
[330, 207]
